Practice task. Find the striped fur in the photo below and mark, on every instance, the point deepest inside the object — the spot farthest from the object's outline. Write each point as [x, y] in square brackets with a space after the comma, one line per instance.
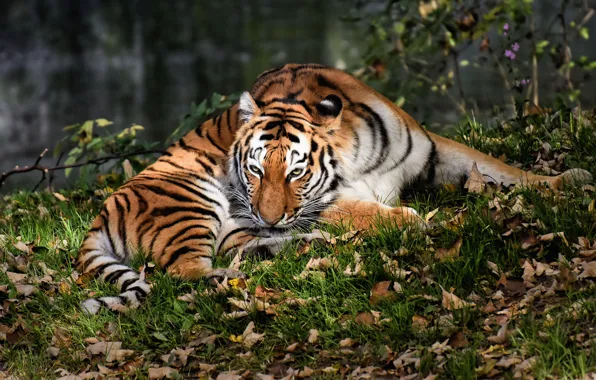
[307, 143]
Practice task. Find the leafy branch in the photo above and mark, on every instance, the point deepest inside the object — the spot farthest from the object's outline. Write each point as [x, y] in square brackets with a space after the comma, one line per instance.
[46, 171]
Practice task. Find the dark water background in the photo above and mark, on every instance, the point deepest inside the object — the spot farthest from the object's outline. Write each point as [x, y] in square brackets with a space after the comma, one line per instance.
[145, 61]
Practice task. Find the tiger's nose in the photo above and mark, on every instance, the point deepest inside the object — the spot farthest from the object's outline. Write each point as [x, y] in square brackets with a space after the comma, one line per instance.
[271, 220]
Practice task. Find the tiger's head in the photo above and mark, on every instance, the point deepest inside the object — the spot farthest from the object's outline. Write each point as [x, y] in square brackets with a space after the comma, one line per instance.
[283, 164]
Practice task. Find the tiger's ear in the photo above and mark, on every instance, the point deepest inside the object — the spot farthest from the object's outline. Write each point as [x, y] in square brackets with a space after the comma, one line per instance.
[330, 110]
[247, 107]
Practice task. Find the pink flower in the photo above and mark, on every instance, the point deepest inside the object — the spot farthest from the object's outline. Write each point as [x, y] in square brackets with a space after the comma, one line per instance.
[515, 46]
[509, 54]
[524, 82]
[506, 27]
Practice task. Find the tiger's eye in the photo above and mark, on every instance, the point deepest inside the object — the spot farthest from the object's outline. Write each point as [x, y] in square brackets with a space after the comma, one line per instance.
[255, 170]
[296, 172]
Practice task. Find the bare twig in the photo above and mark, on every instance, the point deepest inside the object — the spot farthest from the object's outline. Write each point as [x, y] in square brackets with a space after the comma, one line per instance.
[49, 170]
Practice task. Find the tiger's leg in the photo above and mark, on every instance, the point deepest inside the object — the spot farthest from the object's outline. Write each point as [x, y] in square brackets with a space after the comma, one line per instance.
[363, 214]
[453, 163]
[240, 235]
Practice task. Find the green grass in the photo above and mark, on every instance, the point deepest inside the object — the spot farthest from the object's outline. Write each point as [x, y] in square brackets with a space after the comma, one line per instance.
[539, 332]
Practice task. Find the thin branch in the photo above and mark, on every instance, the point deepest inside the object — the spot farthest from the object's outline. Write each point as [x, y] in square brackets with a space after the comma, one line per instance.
[45, 170]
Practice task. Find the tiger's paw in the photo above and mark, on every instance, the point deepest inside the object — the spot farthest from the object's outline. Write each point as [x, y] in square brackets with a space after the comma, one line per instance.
[408, 217]
[225, 272]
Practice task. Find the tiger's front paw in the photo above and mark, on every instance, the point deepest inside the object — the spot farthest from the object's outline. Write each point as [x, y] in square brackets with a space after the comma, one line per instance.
[225, 272]
[408, 217]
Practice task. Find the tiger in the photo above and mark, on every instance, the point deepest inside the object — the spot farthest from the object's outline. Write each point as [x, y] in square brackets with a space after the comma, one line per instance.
[307, 143]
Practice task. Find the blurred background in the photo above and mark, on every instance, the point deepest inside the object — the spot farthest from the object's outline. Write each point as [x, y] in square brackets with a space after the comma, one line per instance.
[66, 61]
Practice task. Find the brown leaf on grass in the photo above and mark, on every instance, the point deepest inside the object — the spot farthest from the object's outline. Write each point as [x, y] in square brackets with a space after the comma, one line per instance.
[317, 263]
[162, 373]
[111, 350]
[313, 336]
[16, 278]
[529, 272]
[22, 247]
[392, 267]
[357, 271]
[365, 318]
[448, 254]
[431, 215]
[182, 354]
[292, 347]
[501, 336]
[228, 375]
[529, 240]
[60, 197]
[348, 342]
[508, 361]
[589, 269]
[381, 292]
[25, 290]
[419, 323]
[249, 337]
[452, 302]
[475, 183]
[458, 340]
[551, 236]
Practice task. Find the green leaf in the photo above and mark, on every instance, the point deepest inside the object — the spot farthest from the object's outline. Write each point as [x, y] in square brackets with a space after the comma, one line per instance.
[399, 27]
[69, 161]
[160, 336]
[464, 63]
[103, 123]
[541, 45]
[584, 33]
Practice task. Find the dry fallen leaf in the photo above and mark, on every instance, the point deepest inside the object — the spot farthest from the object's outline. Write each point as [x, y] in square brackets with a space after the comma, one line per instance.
[448, 254]
[589, 269]
[452, 302]
[25, 290]
[348, 342]
[419, 323]
[60, 197]
[250, 338]
[380, 292]
[313, 336]
[501, 336]
[476, 182]
[162, 372]
[458, 340]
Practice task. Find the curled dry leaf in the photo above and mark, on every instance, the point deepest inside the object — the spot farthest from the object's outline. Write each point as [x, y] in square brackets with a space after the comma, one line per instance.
[250, 338]
[313, 336]
[292, 347]
[162, 373]
[589, 269]
[16, 278]
[529, 272]
[452, 302]
[348, 342]
[22, 247]
[419, 323]
[448, 254]
[316, 263]
[357, 271]
[475, 183]
[381, 292]
[25, 290]
[458, 340]
[501, 336]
